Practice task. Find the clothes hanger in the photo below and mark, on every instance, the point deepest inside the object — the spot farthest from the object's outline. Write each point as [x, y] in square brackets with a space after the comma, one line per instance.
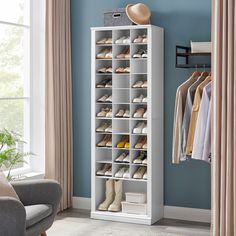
[204, 73]
[196, 73]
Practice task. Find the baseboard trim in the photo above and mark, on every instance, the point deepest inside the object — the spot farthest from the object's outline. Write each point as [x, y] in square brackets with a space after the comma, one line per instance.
[171, 212]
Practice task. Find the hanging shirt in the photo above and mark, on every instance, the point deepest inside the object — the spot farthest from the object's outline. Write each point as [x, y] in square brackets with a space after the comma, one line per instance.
[194, 115]
[178, 117]
[206, 156]
[199, 137]
[187, 115]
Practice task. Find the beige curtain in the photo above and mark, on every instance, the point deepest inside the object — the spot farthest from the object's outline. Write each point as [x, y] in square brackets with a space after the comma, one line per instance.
[224, 118]
[58, 97]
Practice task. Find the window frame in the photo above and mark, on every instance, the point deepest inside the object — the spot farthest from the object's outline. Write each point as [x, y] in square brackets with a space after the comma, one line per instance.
[34, 115]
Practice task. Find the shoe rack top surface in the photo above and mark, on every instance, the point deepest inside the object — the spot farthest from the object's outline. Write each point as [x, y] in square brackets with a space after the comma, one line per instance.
[128, 27]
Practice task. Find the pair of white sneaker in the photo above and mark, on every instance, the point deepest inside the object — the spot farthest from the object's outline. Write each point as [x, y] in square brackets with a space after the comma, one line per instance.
[140, 98]
[140, 128]
[123, 172]
[141, 173]
[123, 40]
[123, 158]
[105, 98]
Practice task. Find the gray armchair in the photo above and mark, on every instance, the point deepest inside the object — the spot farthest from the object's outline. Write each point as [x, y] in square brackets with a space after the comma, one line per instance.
[35, 213]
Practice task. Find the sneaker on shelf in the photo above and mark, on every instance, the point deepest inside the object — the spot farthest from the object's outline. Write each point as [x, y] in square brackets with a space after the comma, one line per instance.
[138, 99]
[127, 159]
[103, 170]
[109, 172]
[144, 130]
[138, 128]
[126, 114]
[109, 128]
[102, 127]
[145, 175]
[126, 174]
[140, 158]
[139, 173]
[120, 172]
[121, 157]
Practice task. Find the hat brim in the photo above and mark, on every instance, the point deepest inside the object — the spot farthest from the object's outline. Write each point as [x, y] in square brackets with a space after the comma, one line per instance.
[133, 19]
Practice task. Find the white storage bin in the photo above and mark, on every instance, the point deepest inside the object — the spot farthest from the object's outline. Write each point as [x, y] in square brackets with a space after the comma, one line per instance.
[136, 197]
[134, 208]
[200, 47]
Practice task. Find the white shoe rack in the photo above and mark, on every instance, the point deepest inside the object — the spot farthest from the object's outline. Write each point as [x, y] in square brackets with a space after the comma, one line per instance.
[150, 69]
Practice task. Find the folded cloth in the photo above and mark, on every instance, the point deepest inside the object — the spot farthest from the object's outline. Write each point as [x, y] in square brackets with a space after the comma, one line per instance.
[200, 47]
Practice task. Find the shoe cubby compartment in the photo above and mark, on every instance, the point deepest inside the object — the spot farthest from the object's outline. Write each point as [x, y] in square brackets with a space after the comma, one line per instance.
[104, 156]
[146, 68]
[136, 94]
[138, 77]
[102, 34]
[101, 92]
[134, 140]
[116, 138]
[117, 167]
[134, 124]
[100, 50]
[138, 66]
[138, 32]
[117, 153]
[99, 138]
[121, 96]
[100, 122]
[121, 127]
[133, 170]
[99, 107]
[117, 34]
[121, 82]
[100, 166]
[133, 155]
[117, 107]
[100, 78]
[120, 49]
[101, 64]
[120, 64]
[134, 108]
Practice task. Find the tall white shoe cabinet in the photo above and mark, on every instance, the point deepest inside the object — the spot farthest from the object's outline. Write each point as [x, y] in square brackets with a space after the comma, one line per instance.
[150, 69]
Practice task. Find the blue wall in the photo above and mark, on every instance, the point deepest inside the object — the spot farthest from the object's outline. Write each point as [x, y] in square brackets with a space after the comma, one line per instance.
[187, 184]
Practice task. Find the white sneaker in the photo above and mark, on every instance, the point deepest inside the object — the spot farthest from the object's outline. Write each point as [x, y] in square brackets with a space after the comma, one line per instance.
[126, 114]
[120, 172]
[103, 170]
[102, 127]
[139, 113]
[120, 113]
[138, 128]
[121, 157]
[144, 162]
[144, 130]
[126, 174]
[103, 98]
[126, 40]
[126, 159]
[109, 172]
[109, 129]
[120, 40]
[139, 173]
[138, 99]
[145, 114]
[144, 99]
[109, 99]
[145, 175]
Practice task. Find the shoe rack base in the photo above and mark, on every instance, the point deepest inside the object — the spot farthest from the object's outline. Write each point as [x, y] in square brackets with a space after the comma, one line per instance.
[151, 69]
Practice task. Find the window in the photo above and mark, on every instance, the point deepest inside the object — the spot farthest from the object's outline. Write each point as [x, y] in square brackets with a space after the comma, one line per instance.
[22, 73]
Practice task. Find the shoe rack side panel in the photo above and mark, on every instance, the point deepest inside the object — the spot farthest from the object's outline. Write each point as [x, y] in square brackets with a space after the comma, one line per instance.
[93, 138]
[156, 120]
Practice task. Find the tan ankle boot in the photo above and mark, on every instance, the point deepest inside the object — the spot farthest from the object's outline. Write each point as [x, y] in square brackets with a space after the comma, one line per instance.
[116, 204]
[110, 194]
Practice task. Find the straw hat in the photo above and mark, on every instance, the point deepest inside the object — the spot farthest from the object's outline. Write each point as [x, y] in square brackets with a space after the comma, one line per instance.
[138, 13]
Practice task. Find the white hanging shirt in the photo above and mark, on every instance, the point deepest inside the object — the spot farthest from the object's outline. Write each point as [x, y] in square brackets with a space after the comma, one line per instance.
[207, 141]
[201, 125]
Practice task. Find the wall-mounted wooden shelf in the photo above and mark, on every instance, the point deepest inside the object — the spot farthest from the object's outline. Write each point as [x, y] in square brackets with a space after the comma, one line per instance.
[185, 52]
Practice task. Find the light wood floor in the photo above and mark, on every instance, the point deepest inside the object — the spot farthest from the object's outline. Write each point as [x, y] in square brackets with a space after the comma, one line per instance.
[78, 223]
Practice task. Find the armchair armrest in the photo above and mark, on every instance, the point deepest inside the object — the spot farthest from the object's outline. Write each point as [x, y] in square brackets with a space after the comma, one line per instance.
[12, 217]
[44, 191]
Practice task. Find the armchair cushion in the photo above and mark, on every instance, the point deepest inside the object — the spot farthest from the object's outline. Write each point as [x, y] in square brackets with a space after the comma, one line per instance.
[6, 190]
[36, 213]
